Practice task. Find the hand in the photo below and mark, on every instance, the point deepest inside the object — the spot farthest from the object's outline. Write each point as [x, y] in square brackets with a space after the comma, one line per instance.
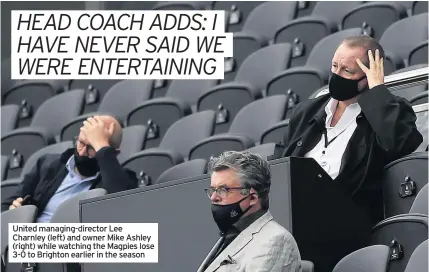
[375, 72]
[16, 203]
[96, 132]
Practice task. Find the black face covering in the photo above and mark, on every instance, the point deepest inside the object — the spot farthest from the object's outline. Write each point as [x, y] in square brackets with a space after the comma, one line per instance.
[226, 215]
[342, 88]
[86, 166]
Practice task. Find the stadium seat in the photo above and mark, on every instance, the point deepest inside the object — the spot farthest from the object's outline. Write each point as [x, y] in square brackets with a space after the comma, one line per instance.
[402, 180]
[8, 188]
[419, 99]
[255, 72]
[133, 141]
[419, 7]
[19, 144]
[369, 259]
[129, 5]
[268, 17]
[333, 10]
[118, 101]
[9, 118]
[29, 95]
[160, 113]
[303, 34]
[160, 87]
[6, 80]
[4, 166]
[243, 46]
[50, 149]
[276, 133]
[55, 112]
[402, 234]
[374, 18]
[409, 39]
[265, 150]
[94, 91]
[181, 5]
[188, 169]
[246, 128]
[304, 80]
[420, 204]
[25, 214]
[237, 12]
[68, 212]
[419, 259]
[305, 8]
[174, 147]
[419, 54]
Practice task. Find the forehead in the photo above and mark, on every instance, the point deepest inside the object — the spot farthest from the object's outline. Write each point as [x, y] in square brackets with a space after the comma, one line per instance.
[225, 177]
[346, 55]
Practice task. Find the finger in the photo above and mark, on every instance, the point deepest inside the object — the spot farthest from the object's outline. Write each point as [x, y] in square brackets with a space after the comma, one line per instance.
[20, 199]
[111, 128]
[362, 66]
[16, 203]
[382, 67]
[377, 56]
[11, 207]
[92, 121]
[371, 59]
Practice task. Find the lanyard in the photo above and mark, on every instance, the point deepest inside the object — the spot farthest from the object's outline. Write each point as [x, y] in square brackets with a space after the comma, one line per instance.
[327, 143]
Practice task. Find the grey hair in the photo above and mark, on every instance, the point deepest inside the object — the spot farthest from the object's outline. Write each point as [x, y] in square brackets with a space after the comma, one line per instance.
[366, 43]
[252, 171]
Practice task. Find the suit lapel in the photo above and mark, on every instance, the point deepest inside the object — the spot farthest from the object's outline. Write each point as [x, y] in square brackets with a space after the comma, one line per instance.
[312, 135]
[240, 241]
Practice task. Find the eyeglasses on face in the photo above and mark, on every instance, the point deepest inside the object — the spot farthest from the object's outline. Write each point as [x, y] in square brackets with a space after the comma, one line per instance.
[80, 145]
[223, 191]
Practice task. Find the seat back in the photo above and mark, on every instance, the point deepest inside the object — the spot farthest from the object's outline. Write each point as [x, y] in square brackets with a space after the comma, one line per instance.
[256, 117]
[276, 133]
[133, 139]
[267, 17]
[189, 90]
[9, 118]
[419, 259]
[333, 10]
[186, 169]
[369, 259]
[24, 214]
[55, 112]
[401, 181]
[125, 95]
[422, 124]
[4, 166]
[409, 39]
[374, 18]
[237, 11]
[50, 149]
[419, 54]
[322, 53]
[186, 132]
[420, 204]
[402, 234]
[8, 189]
[262, 65]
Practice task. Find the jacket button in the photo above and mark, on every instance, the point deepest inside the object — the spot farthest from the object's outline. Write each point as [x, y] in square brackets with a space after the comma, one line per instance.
[299, 143]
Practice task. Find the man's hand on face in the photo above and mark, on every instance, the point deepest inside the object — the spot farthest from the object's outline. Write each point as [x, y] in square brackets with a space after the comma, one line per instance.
[96, 132]
[375, 72]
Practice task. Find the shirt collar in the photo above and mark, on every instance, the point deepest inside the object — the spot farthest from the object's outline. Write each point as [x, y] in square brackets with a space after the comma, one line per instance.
[332, 105]
[246, 221]
[71, 165]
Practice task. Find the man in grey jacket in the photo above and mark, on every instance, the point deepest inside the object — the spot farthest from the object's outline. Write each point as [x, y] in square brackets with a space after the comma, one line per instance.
[250, 238]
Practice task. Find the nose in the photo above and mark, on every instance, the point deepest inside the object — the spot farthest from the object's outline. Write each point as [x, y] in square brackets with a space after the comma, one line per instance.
[215, 198]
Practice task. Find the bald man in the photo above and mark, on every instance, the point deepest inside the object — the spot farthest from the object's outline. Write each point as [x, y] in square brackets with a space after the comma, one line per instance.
[92, 163]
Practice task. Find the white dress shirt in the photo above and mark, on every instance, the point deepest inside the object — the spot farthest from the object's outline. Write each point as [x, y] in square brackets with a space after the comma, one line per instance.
[329, 158]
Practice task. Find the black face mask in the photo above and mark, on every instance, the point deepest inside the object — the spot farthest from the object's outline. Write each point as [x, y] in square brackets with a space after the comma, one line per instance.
[86, 166]
[342, 89]
[226, 215]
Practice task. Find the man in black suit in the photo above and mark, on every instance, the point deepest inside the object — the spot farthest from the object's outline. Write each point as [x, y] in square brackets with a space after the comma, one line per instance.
[91, 164]
[359, 127]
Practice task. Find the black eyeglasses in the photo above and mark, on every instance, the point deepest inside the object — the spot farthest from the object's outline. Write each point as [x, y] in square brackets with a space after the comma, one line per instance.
[89, 148]
[223, 191]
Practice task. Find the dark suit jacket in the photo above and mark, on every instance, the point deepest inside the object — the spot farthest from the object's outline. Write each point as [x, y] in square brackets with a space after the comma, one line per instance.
[50, 170]
[386, 131]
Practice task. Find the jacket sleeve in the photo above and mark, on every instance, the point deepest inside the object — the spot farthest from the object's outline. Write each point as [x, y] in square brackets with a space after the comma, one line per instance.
[27, 186]
[393, 120]
[114, 178]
